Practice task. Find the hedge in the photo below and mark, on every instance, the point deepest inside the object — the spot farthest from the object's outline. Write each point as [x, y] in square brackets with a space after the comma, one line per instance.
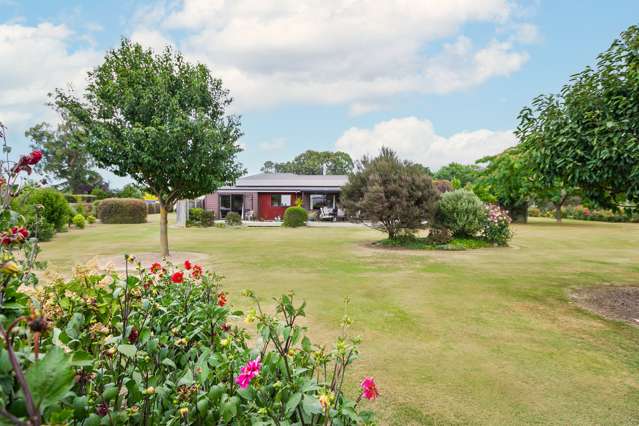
[295, 216]
[122, 210]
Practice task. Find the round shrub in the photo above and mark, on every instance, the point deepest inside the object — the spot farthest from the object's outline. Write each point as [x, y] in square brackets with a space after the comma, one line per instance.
[79, 221]
[462, 212]
[233, 219]
[91, 219]
[295, 216]
[122, 210]
[54, 206]
[496, 229]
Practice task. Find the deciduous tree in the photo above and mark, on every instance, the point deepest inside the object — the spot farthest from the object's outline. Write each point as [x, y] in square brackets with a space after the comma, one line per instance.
[313, 163]
[160, 120]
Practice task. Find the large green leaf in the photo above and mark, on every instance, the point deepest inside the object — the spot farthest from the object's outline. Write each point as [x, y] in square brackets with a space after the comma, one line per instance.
[50, 378]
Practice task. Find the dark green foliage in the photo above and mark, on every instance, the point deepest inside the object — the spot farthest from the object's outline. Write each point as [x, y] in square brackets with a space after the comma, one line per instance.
[313, 163]
[65, 157]
[233, 219]
[462, 212]
[464, 173]
[201, 217]
[396, 196]
[55, 208]
[588, 135]
[122, 210]
[413, 243]
[295, 216]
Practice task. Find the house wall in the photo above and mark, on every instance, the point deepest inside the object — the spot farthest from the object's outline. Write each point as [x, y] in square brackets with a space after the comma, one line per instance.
[212, 202]
[268, 212]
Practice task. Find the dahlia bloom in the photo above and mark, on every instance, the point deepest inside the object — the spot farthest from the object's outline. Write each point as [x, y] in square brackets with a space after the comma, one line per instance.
[248, 372]
[155, 268]
[221, 299]
[178, 277]
[369, 388]
[187, 264]
[197, 271]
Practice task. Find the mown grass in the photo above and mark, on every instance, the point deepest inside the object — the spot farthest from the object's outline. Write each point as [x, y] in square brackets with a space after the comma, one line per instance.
[423, 243]
[452, 337]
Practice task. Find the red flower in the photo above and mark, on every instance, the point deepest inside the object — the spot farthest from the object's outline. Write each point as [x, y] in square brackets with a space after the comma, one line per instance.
[24, 232]
[133, 335]
[187, 264]
[225, 327]
[6, 240]
[155, 268]
[197, 271]
[178, 277]
[221, 299]
[34, 157]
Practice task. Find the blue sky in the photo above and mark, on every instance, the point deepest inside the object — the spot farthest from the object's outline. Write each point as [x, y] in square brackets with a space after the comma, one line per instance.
[437, 82]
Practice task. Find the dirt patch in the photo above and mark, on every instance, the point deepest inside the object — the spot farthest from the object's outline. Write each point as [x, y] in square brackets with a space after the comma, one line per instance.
[612, 302]
[116, 262]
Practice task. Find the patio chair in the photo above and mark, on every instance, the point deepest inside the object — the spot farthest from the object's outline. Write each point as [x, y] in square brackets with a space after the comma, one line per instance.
[326, 214]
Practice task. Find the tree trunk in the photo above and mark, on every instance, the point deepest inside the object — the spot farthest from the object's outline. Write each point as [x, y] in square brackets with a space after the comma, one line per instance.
[558, 213]
[164, 235]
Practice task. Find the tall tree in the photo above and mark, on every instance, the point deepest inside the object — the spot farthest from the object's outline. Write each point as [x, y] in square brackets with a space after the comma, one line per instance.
[588, 135]
[161, 121]
[464, 173]
[65, 158]
[313, 163]
[396, 196]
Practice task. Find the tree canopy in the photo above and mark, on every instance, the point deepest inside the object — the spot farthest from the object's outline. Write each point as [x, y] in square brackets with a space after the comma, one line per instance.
[396, 196]
[159, 120]
[464, 173]
[65, 158]
[587, 136]
[313, 163]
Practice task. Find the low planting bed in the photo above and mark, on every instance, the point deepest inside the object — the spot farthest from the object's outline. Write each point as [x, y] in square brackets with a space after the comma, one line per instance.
[416, 243]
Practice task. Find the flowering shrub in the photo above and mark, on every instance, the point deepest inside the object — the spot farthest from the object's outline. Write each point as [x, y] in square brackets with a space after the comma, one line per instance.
[496, 226]
[163, 345]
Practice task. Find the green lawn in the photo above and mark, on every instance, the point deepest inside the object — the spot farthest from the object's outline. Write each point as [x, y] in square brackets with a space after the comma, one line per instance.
[482, 337]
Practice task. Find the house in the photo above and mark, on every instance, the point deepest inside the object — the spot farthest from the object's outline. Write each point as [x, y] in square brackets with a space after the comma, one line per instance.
[266, 196]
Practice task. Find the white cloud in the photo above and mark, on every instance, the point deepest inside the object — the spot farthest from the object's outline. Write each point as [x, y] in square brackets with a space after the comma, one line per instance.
[361, 108]
[34, 61]
[337, 51]
[416, 140]
[272, 145]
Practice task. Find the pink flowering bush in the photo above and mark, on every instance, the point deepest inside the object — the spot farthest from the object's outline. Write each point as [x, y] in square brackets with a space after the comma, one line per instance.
[496, 225]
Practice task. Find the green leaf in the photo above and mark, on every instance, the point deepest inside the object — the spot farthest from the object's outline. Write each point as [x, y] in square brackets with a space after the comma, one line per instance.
[229, 408]
[292, 403]
[81, 359]
[128, 351]
[168, 363]
[311, 405]
[50, 378]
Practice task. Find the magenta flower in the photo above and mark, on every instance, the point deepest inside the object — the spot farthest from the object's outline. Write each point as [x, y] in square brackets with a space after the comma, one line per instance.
[369, 388]
[250, 370]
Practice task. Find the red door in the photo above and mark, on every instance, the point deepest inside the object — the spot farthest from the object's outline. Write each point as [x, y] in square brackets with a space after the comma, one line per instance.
[273, 205]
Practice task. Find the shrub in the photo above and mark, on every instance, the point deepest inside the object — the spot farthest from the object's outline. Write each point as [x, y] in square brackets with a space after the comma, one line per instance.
[534, 212]
[462, 212]
[190, 364]
[396, 196]
[295, 216]
[122, 210]
[496, 227]
[79, 221]
[91, 219]
[201, 217]
[55, 208]
[233, 219]
[439, 235]
[443, 185]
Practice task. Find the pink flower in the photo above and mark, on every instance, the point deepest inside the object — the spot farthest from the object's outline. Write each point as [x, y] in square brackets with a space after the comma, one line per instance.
[248, 372]
[369, 388]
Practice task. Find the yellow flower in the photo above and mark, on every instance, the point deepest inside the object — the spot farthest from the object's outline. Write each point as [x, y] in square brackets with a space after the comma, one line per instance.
[225, 342]
[250, 317]
[326, 399]
[184, 411]
[10, 267]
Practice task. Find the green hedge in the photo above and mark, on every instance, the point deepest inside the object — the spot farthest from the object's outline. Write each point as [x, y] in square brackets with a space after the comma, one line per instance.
[54, 207]
[295, 216]
[122, 210]
[233, 219]
[201, 217]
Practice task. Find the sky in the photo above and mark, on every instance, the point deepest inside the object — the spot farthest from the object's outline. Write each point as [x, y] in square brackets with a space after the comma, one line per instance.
[438, 81]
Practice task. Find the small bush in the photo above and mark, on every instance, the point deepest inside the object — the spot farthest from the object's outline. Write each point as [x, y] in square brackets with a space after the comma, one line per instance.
[51, 203]
[122, 210]
[201, 217]
[534, 212]
[462, 212]
[440, 235]
[79, 221]
[295, 216]
[233, 219]
[195, 214]
[91, 219]
[44, 231]
[496, 229]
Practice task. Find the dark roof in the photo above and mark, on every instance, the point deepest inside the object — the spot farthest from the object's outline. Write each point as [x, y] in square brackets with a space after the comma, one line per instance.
[288, 182]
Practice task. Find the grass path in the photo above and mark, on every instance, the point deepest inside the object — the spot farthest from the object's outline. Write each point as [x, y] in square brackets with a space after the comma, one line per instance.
[475, 337]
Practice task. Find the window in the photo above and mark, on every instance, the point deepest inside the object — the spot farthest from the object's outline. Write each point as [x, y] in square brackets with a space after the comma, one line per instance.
[280, 200]
[231, 203]
[318, 201]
